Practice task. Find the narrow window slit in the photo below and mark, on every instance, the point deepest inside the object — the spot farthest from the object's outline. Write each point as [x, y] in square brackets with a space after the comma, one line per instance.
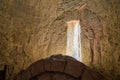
[74, 40]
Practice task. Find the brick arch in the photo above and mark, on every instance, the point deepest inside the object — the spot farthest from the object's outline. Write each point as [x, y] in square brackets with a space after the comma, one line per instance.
[58, 67]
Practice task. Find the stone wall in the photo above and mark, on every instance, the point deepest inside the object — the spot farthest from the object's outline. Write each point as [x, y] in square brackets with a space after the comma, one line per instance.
[35, 29]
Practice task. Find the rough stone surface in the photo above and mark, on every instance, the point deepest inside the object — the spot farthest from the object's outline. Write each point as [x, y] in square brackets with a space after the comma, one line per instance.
[35, 29]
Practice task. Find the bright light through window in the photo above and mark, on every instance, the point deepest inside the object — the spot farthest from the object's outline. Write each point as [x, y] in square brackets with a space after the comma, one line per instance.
[74, 39]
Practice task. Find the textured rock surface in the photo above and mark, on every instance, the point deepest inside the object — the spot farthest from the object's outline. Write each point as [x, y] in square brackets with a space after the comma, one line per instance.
[34, 29]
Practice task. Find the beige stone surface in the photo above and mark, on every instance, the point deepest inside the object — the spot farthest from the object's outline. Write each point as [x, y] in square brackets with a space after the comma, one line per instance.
[34, 29]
